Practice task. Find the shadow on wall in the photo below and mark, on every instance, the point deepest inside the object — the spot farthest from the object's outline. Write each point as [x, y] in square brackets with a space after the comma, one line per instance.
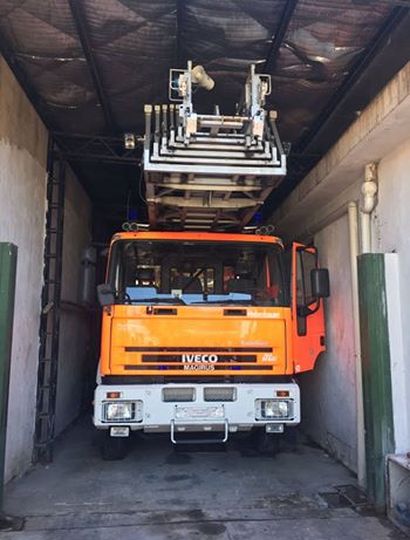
[315, 415]
[328, 392]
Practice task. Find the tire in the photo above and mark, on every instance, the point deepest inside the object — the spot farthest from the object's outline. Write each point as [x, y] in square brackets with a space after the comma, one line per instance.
[113, 448]
[267, 444]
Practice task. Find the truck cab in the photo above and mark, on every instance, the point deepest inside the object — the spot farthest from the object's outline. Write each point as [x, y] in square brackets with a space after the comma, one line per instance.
[203, 333]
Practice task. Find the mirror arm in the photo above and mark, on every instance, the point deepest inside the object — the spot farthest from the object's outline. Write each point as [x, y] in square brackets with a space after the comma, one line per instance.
[316, 308]
[305, 311]
[104, 290]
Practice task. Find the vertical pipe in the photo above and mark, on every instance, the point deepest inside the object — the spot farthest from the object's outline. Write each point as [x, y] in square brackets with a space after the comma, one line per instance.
[157, 116]
[354, 252]
[365, 232]
[148, 115]
[368, 203]
[369, 191]
[172, 117]
[165, 120]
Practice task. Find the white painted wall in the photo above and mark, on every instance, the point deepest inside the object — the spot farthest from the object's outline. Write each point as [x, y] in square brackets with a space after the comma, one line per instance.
[398, 363]
[23, 149]
[329, 404]
[23, 152]
[328, 392]
[74, 329]
[381, 134]
[391, 233]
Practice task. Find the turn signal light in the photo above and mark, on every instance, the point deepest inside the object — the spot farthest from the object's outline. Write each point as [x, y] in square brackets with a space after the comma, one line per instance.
[113, 395]
[282, 393]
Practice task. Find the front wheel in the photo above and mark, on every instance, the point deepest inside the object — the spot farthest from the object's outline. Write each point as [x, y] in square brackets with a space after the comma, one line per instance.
[266, 444]
[113, 448]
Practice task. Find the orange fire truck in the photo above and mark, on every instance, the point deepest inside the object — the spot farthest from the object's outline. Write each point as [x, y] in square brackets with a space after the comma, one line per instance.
[204, 328]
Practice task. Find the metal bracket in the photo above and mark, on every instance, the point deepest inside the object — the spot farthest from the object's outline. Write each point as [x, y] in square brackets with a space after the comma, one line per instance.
[174, 440]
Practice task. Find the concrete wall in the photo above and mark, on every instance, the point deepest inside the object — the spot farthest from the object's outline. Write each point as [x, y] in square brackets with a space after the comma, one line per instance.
[317, 209]
[23, 153]
[23, 150]
[391, 233]
[328, 392]
[74, 328]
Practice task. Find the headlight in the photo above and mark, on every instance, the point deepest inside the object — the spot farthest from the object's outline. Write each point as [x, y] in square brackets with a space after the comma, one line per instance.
[269, 409]
[122, 411]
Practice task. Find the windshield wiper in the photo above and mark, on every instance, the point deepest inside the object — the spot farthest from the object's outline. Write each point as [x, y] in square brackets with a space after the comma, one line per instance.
[155, 300]
[236, 302]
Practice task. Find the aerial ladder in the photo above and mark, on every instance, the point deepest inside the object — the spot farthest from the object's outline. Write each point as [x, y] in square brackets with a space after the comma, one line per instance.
[210, 171]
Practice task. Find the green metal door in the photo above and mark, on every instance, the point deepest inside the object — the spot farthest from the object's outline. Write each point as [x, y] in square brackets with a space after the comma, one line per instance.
[377, 392]
[8, 261]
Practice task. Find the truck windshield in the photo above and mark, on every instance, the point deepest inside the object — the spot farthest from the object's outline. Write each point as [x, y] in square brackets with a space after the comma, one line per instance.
[197, 273]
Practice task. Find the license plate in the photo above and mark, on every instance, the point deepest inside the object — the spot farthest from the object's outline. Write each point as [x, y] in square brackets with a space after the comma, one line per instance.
[119, 431]
[213, 412]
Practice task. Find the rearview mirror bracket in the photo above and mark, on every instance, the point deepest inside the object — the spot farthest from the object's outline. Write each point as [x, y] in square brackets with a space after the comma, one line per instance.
[106, 294]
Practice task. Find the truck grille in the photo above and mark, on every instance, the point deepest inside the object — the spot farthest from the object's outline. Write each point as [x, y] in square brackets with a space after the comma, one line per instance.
[186, 394]
[176, 358]
[219, 394]
[178, 394]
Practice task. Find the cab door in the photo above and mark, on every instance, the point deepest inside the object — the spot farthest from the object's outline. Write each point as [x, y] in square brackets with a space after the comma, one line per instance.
[308, 288]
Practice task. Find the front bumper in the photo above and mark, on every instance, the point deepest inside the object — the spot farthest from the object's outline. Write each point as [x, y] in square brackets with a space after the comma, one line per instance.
[196, 407]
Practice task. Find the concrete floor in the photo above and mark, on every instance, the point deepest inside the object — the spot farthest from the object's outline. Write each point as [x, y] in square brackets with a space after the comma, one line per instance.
[160, 493]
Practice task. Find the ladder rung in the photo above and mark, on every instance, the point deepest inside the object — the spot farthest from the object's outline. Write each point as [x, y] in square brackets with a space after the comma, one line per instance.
[44, 444]
[46, 386]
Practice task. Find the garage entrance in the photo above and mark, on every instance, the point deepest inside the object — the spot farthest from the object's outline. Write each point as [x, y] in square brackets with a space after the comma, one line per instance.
[74, 79]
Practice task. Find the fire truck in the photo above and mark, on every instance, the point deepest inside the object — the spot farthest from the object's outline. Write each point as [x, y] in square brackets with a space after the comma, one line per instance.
[206, 320]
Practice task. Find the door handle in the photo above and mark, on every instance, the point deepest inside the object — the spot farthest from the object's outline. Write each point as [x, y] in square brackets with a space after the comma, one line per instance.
[235, 312]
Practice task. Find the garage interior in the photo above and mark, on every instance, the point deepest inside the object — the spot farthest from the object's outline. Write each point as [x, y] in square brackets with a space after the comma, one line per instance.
[74, 78]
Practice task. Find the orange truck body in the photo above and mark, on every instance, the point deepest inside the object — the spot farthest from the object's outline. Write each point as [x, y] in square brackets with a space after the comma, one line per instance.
[175, 345]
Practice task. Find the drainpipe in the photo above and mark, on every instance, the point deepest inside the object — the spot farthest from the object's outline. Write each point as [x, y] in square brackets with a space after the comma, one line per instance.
[354, 252]
[368, 204]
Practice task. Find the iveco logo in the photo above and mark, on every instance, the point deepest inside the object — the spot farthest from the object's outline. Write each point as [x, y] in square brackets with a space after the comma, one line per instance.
[199, 358]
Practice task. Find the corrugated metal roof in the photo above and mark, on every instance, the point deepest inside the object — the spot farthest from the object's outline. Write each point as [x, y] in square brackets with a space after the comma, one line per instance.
[133, 43]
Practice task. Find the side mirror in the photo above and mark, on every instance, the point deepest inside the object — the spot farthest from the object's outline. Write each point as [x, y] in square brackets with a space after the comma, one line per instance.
[105, 294]
[320, 282]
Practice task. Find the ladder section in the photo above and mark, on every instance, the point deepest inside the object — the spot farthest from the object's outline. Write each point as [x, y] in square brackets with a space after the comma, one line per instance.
[50, 315]
[210, 171]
